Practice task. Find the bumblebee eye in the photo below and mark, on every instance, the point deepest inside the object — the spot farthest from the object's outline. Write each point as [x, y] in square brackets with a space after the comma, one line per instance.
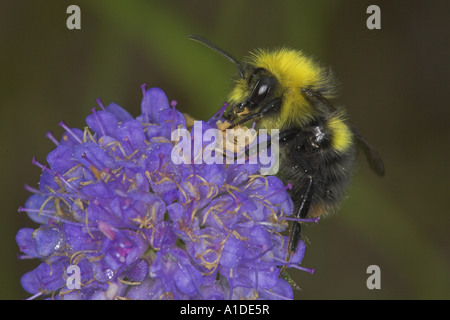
[261, 90]
[260, 93]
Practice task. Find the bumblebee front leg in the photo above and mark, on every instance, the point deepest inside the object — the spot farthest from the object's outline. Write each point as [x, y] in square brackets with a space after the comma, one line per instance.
[271, 107]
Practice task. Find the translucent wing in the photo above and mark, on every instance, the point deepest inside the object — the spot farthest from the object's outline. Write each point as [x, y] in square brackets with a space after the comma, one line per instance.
[373, 158]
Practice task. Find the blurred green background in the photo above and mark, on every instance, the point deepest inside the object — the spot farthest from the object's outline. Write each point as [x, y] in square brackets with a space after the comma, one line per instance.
[394, 84]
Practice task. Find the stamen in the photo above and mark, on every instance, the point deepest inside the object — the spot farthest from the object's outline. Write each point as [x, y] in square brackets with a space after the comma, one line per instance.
[161, 157]
[107, 230]
[25, 257]
[85, 157]
[222, 110]
[316, 220]
[63, 125]
[311, 271]
[56, 174]
[31, 189]
[102, 174]
[52, 138]
[294, 265]
[99, 102]
[38, 164]
[49, 214]
[193, 166]
[173, 103]
[288, 186]
[61, 177]
[143, 87]
[34, 296]
[127, 141]
[98, 121]
[269, 224]
[279, 296]
[22, 209]
[100, 206]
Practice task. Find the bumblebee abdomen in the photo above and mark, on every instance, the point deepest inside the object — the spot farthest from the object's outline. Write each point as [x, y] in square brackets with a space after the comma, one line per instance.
[332, 171]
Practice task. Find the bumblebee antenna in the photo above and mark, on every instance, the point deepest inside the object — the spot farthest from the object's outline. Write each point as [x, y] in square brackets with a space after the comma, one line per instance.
[219, 51]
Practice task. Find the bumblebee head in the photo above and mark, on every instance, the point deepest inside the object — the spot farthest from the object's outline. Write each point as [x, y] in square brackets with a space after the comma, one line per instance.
[274, 83]
[252, 92]
[269, 85]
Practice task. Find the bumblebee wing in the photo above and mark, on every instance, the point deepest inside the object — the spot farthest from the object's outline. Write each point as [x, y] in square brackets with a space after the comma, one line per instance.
[373, 158]
[317, 99]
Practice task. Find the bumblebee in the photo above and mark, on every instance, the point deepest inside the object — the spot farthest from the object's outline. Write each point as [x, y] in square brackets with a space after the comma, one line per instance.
[286, 90]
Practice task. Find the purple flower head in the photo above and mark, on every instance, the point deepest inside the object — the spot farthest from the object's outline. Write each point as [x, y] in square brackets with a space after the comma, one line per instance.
[119, 219]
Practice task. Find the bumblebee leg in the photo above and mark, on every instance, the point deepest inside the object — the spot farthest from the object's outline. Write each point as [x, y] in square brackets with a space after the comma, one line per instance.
[268, 108]
[305, 193]
[283, 136]
[302, 211]
[272, 106]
